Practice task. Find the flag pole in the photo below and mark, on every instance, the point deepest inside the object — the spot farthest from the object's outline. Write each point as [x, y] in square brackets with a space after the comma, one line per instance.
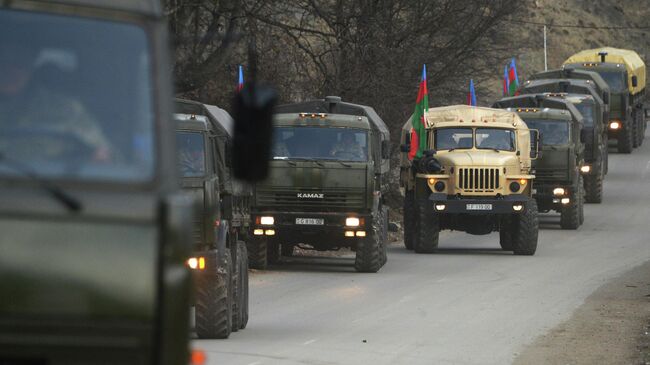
[545, 59]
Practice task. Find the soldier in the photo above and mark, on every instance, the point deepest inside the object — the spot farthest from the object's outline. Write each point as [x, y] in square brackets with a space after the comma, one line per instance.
[25, 104]
[348, 148]
[497, 139]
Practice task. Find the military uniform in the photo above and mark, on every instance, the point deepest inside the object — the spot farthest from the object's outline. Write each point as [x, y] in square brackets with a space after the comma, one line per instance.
[353, 150]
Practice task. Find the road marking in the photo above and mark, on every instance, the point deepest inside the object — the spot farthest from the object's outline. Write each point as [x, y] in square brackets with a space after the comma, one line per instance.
[309, 342]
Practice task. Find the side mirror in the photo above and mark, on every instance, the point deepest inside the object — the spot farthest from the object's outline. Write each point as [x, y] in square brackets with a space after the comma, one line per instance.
[535, 143]
[253, 117]
[635, 82]
[385, 149]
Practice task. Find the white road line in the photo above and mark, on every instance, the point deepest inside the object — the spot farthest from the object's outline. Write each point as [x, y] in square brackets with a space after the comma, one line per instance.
[309, 342]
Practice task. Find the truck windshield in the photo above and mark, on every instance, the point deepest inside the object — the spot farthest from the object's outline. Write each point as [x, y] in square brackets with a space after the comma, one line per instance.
[587, 110]
[615, 80]
[552, 132]
[495, 139]
[191, 154]
[75, 98]
[320, 143]
[453, 138]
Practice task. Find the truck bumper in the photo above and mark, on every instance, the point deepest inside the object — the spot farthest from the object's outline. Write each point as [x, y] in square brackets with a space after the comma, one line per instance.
[311, 225]
[515, 203]
[546, 200]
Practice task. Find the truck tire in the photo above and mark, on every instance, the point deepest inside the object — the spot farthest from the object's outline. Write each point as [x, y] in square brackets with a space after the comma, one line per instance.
[594, 188]
[286, 250]
[384, 236]
[273, 253]
[581, 208]
[625, 139]
[506, 233]
[635, 130]
[213, 309]
[570, 214]
[409, 219]
[244, 303]
[525, 231]
[369, 249]
[240, 273]
[640, 121]
[606, 158]
[257, 253]
[427, 228]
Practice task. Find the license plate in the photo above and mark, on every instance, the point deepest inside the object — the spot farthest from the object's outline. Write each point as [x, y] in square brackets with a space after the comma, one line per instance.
[311, 221]
[479, 207]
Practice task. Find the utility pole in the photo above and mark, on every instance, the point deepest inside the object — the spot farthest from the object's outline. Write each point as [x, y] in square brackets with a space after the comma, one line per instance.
[545, 60]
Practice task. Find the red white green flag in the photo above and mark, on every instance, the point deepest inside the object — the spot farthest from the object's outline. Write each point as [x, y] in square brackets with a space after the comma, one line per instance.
[418, 130]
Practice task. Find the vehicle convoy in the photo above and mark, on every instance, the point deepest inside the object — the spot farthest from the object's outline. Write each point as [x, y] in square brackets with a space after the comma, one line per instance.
[326, 185]
[94, 228]
[221, 220]
[475, 177]
[558, 182]
[591, 107]
[625, 73]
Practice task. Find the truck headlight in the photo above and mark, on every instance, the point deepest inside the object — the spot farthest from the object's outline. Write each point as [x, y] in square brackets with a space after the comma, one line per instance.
[558, 191]
[439, 186]
[514, 186]
[614, 125]
[196, 263]
[585, 169]
[352, 222]
[267, 221]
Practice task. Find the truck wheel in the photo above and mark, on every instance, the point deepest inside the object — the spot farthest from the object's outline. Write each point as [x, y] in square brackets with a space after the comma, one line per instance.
[581, 208]
[273, 254]
[286, 250]
[570, 214]
[427, 227]
[625, 139]
[384, 235]
[369, 250]
[213, 310]
[525, 231]
[409, 219]
[240, 274]
[594, 188]
[635, 130]
[506, 233]
[640, 121]
[257, 253]
[606, 158]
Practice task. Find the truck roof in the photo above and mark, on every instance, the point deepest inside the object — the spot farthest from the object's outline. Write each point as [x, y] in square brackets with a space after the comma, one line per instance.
[144, 7]
[334, 105]
[191, 122]
[540, 103]
[472, 116]
[574, 86]
[633, 63]
[220, 119]
[569, 73]
[321, 120]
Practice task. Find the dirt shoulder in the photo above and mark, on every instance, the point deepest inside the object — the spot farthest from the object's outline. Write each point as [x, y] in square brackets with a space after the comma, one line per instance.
[611, 327]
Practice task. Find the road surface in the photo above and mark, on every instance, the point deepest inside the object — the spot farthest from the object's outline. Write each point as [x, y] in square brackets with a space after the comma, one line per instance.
[470, 303]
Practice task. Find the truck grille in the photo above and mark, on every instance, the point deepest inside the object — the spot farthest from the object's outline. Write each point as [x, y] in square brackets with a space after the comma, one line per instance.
[331, 199]
[197, 231]
[542, 175]
[478, 179]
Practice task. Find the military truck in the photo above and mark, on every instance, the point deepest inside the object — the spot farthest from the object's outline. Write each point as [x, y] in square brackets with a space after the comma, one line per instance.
[221, 222]
[558, 182]
[475, 177]
[593, 110]
[625, 73]
[326, 186]
[95, 230]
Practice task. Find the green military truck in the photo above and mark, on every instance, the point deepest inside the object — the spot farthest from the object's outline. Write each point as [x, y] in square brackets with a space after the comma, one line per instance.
[625, 73]
[558, 182]
[475, 177]
[593, 110]
[221, 220]
[326, 185]
[95, 230]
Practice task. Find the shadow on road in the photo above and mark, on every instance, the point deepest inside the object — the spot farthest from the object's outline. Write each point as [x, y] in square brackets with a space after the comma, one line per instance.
[316, 264]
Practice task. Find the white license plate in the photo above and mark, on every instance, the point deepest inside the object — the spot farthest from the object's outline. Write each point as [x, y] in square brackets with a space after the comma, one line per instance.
[311, 221]
[479, 206]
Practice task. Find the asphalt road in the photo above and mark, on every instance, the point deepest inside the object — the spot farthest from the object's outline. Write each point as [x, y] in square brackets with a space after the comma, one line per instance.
[470, 303]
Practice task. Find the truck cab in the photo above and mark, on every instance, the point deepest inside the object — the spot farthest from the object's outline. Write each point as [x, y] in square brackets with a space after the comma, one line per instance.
[559, 183]
[475, 177]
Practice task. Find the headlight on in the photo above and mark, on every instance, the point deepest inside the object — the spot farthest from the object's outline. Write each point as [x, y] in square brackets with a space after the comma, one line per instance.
[614, 125]
[267, 221]
[514, 186]
[352, 222]
[585, 169]
[558, 191]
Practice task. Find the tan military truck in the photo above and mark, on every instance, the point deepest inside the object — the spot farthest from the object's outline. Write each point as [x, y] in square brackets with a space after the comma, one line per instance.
[475, 176]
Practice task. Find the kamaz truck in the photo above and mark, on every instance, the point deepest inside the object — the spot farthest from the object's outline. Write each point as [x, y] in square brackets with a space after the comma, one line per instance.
[326, 186]
[475, 176]
[625, 73]
[558, 182]
[219, 261]
[583, 96]
[95, 230]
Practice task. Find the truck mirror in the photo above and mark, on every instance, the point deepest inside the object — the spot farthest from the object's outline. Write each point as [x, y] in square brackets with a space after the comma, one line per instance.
[635, 82]
[253, 117]
[385, 149]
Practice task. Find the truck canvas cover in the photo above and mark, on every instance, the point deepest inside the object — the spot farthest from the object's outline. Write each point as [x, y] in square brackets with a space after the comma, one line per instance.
[633, 63]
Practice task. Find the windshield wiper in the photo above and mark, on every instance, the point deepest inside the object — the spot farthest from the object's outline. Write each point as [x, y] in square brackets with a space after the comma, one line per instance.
[73, 204]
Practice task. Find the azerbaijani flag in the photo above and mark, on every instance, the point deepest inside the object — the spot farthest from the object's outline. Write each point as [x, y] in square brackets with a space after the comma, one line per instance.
[471, 95]
[513, 79]
[418, 130]
[505, 81]
[240, 80]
